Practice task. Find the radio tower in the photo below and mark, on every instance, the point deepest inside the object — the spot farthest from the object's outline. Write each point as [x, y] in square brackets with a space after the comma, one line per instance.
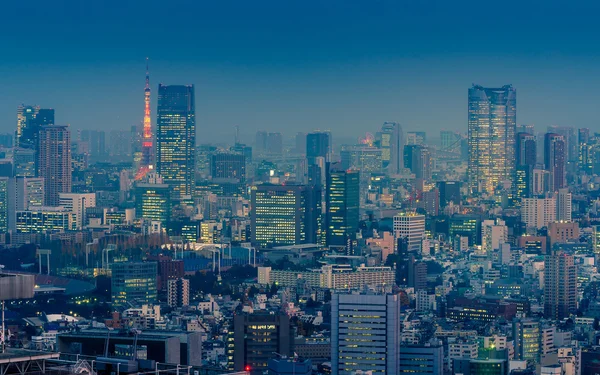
[146, 162]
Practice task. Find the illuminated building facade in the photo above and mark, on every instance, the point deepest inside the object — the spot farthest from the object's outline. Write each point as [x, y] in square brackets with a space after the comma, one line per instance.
[25, 113]
[362, 158]
[153, 202]
[365, 333]
[491, 123]
[25, 193]
[228, 166]
[342, 201]
[465, 226]
[256, 337]
[33, 124]
[176, 138]
[43, 220]
[54, 161]
[147, 144]
[134, 282]
[24, 161]
[285, 214]
[4, 203]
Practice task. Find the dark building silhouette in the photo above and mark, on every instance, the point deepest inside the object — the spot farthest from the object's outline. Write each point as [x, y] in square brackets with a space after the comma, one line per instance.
[555, 160]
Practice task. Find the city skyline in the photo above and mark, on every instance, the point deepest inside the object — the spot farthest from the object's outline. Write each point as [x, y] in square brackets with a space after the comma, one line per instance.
[394, 78]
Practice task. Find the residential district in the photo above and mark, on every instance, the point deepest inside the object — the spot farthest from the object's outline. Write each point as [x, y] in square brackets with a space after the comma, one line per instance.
[404, 252]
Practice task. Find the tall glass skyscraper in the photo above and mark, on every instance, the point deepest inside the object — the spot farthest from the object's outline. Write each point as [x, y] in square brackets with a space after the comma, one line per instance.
[54, 161]
[176, 138]
[492, 123]
[343, 200]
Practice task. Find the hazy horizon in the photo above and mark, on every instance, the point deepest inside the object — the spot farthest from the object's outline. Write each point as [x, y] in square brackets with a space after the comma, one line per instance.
[287, 67]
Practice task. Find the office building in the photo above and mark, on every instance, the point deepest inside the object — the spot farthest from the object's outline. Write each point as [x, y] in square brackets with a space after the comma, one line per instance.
[227, 166]
[411, 226]
[365, 333]
[133, 283]
[178, 292]
[153, 202]
[563, 205]
[25, 113]
[391, 139]
[29, 134]
[25, 193]
[289, 366]
[342, 199]
[427, 359]
[416, 138]
[560, 285]
[44, 219]
[491, 122]
[465, 226]
[570, 139]
[54, 161]
[24, 162]
[526, 158]
[563, 231]
[176, 138]
[596, 239]
[257, 337]
[526, 335]
[285, 214]
[493, 234]
[449, 192]
[318, 145]
[417, 158]
[541, 182]
[77, 203]
[5, 202]
[361, 158]
[538, 212]
[555, 160]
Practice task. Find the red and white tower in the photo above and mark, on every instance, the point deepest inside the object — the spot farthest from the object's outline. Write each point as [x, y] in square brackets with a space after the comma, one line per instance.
[147, 141]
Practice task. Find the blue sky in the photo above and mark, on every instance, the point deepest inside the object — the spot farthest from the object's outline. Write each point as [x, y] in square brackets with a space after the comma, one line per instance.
[295, 66]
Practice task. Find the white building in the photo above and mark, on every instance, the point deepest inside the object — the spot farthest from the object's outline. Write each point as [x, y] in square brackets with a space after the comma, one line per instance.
[365, 333]
[564, 205]
[178, 292]
[538, 212]
[493, 234]
[24, 193]
[412, 226]
[462, 350]
[77, 203]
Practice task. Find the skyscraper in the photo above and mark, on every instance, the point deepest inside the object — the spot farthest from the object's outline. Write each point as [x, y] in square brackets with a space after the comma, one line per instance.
[25, 113]
[417, 158]
[25, 193]
[153, 201]
[560, 285]
[285, 214]
[365, 333]
[525, 158]
[228, 166]
[342, 199]
[54, 161]
[176, 138]
[134, 283]
[392, 139]
[411, 226]
[555, 160]
[317, 145]
[492, 122]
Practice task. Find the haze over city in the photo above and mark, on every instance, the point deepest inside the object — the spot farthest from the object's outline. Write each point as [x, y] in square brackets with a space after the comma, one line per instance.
[299, 66]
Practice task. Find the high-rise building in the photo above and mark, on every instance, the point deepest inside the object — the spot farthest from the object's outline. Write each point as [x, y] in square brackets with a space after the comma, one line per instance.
[412, 226]
[96, 142]
[392, 142]
[77, 203]
[416, 138]
[228, 166]
[526, 334]
[555, 160]
[25, 193]
[538, 212]
[257, 337]
[133, 283]
[426, 359]
[492, 122]
[24, 162]
[25, 113]
[261, 141]
[54, 161]
[365, 333]
[563, 205]
[153, 202]
[285, 214]
[29, 134]
[465, 226]
[570, 138]
[342, 200]
[176, 138]
[417, 158]
[274, 143]
[449, 192]
[317, 146]
[4, 203]
[178, 292]
[560, 285]
[525, 159]
[361, 158]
